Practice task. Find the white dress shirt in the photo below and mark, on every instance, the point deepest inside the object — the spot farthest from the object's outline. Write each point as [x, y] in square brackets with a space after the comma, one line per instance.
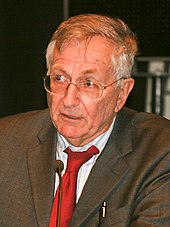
[85, 169]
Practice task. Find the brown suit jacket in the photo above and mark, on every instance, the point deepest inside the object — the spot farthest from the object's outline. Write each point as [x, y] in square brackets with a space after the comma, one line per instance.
[132, 175]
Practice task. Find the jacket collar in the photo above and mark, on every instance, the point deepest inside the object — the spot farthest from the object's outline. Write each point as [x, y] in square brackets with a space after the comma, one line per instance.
[40, 156]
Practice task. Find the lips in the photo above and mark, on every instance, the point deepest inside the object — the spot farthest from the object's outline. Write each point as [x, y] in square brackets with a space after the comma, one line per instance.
[71, 117]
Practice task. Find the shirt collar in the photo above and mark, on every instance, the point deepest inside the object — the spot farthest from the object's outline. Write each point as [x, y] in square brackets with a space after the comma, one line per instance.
[99, 142]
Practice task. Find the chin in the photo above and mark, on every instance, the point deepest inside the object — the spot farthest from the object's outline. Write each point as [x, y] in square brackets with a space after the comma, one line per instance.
[70, 132]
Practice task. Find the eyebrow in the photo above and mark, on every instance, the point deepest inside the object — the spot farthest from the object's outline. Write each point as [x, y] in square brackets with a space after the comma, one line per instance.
[89, 71]
[60, 69]
[85, 71]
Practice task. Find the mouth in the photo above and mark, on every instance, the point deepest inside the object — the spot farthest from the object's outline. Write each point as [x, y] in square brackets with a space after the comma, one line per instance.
[70, 117]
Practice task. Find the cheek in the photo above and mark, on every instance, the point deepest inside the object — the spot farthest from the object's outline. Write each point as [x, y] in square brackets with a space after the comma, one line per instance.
[53, 103]
[101, 114]
[93, 115]
[108, 106]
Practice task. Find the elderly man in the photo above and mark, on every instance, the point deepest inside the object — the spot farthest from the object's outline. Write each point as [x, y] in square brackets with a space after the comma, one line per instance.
[124, 178]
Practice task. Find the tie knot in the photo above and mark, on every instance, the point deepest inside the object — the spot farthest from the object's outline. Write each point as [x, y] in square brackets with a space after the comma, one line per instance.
[77, 159]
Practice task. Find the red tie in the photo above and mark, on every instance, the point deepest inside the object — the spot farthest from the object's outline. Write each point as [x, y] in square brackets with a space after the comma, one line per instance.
[69, 182]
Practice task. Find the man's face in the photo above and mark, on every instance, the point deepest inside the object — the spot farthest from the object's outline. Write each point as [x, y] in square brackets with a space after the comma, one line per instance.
[81, 120]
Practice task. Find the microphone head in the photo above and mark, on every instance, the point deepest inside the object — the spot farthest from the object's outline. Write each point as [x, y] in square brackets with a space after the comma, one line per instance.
[58, 166]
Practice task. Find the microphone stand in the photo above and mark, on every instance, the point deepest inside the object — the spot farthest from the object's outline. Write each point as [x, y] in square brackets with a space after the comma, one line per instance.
[59, 199]
[58, 167]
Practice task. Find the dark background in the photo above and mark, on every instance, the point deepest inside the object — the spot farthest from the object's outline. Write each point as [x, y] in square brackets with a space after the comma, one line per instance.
[26, 28]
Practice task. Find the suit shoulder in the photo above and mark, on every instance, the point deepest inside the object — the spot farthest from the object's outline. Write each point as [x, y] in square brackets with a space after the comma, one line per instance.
[23, 120]
[153, 131]
[149, 120]
[143, 124]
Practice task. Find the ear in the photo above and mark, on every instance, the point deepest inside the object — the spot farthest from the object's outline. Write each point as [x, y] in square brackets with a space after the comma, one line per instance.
[125, 88]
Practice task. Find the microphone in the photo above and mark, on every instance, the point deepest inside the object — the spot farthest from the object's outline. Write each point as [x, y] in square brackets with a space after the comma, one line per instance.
[58, 167]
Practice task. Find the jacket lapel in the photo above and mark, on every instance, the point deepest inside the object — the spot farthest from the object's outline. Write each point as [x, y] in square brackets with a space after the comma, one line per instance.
[40, 159]
[110, 165]
[108, 172]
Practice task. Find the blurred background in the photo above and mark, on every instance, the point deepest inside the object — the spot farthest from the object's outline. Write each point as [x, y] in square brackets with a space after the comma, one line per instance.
[26, 28]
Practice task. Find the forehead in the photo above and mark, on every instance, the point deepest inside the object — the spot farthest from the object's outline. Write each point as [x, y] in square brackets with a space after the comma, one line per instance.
[97, 50]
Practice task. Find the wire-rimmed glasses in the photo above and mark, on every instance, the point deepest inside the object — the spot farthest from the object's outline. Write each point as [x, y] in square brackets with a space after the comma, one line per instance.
[87, 89]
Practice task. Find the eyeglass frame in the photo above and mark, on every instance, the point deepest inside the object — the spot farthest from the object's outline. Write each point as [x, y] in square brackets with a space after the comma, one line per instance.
[102, 87]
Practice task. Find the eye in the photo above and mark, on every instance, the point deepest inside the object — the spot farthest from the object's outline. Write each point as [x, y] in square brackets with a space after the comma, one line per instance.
[59, 78]
[89, 83]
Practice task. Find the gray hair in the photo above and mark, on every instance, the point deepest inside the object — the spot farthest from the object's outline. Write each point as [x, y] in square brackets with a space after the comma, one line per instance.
[85, 26]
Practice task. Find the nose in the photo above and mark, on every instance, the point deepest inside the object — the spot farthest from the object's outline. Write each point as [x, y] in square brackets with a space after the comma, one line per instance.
[71, 98]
